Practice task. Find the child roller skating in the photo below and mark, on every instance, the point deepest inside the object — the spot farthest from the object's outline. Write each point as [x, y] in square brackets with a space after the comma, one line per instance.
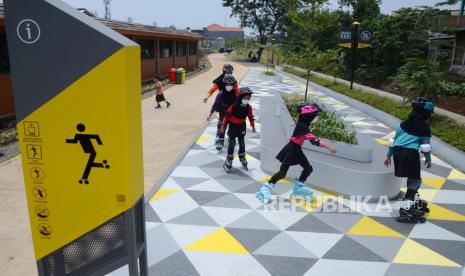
[292, 155]
[235, 117]
[412, 136]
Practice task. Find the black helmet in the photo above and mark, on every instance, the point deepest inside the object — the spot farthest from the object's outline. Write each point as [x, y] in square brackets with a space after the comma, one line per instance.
[423, 103]
[228, 68]
[244, 91]
[229, 79]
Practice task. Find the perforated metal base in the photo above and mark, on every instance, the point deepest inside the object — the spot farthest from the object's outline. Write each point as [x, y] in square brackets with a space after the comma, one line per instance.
[113, 244]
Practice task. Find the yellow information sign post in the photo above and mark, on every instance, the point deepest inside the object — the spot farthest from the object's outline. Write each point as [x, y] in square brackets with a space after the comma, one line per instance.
[78, 105]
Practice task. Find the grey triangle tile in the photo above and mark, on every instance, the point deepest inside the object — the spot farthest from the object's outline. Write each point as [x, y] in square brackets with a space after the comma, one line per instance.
[252, 239]
[176, 264]
[349, 250]
[438, 170]
[402, 228]
[385, 247]
[195, 217]
[284, 245]
[214, 172]
[229, 201]
[186, 182]
[204, 197]
[310, 223]
[197, 147]
[457, 227]
[279, 265]
[150, 214]
[341, 222]
[234, 185]
[458, 208]
[215, 164]
[160, 244]
[452, 185]
[235, 174]
[253, 220]
[255, 155]
[423, 270]
[453, 250]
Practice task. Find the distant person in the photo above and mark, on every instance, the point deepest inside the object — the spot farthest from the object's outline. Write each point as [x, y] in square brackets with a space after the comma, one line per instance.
[412, 136]
[159, 95]
[218, 84]
[250, 55]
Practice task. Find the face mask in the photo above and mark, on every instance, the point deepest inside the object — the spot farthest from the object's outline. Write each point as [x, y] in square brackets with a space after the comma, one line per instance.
[245, 102]
[229, 88]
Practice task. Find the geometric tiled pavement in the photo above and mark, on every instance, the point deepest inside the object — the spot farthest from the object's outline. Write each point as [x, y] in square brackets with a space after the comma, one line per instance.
[204, 221]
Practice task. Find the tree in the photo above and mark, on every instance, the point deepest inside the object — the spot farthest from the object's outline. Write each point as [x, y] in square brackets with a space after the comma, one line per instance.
[362, 9]
[264, 16]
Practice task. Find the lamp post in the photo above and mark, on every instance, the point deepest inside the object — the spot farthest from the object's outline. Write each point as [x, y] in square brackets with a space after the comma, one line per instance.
[355, 26]
[272, 52]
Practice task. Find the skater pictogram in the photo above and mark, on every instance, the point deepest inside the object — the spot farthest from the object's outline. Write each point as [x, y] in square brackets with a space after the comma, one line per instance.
[34, 152]
[37, 174]
[86, 143]
[45, 229]
[39, 193]
[42, 211]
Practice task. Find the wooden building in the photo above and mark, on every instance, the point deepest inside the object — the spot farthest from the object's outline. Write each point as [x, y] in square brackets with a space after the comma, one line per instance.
[161, 50]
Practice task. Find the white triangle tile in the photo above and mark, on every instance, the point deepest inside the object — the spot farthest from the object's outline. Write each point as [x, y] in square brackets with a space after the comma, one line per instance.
[225, 216]
[370, 131]
[317, 243]
[195, 172]
[249, 199]
[188, 234]
[173, 206]
[282, 219]
[209, 186]
[429, 230]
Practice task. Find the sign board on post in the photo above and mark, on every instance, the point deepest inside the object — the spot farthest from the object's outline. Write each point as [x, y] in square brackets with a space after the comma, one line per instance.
[78, 106]
[365, 38]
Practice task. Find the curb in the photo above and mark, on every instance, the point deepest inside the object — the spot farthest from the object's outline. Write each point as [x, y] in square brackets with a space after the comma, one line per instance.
[443, 150]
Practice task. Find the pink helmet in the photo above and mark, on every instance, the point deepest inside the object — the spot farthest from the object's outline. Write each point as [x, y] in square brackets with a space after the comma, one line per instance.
[309, 109]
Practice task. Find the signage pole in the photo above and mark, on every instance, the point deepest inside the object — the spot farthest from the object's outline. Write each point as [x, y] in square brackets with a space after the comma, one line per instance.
[354, 52]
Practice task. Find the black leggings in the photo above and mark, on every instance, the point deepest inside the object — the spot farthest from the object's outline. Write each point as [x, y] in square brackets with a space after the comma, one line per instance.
[236, 131]
[218, 126]
[307, 170]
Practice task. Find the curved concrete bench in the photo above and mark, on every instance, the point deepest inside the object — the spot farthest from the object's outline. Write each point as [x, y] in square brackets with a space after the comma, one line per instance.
[347, 174]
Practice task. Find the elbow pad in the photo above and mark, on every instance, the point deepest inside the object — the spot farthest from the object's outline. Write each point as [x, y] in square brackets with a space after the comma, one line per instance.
[391, 142]
[425, 148]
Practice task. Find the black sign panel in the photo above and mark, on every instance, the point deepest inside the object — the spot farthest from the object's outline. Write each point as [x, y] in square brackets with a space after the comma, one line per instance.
[365, 36]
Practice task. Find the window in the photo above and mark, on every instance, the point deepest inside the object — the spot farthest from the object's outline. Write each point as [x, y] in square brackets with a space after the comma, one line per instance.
[181, 49]
[146, 48]
[4, 60]
[166, 48]
[192, 48]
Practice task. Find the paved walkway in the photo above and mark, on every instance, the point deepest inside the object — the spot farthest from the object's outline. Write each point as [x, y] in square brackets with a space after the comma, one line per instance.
[204, 221]
[166, 134]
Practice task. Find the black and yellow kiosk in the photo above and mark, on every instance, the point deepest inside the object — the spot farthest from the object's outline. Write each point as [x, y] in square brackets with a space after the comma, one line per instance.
[77, 94]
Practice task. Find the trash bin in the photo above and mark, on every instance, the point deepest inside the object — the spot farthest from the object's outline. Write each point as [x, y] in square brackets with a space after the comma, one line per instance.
[179, 79]
[183, 75]
[172, 75]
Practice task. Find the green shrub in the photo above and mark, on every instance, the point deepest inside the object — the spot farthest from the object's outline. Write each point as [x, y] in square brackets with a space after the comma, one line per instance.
[270, 73]
[8, 136]
[443, 127]
[329, 124]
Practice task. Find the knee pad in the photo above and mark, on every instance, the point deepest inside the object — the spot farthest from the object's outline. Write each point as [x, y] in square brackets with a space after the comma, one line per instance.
[391, 142]
[425, 148]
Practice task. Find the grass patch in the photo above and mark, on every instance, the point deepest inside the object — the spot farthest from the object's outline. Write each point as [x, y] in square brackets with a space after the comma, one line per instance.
[270, 73]
[329, 124]
[443, 127]
[8, 136]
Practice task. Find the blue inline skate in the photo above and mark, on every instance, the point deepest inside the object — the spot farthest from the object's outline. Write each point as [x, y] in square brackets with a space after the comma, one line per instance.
[301, 192]
[264, 195]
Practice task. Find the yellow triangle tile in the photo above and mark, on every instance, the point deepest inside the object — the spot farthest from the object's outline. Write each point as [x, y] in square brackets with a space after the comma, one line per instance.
[218, 241]
[325, 99]
[455, 174]
[369, 227]
[382, 141]
[412, 252]
[440, 213]
[434, 157]
[266, 179]
[425, 194]
[249, 157]
[436, 183]
[204, 138]
[162, 193]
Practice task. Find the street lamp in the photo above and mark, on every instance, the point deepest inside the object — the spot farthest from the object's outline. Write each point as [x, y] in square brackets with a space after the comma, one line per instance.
[355, 26]
[272, 52]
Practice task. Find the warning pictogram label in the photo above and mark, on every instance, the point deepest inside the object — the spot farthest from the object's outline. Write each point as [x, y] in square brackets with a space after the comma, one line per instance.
[45, 229]
[39, 193]
[37, 174]
[42, 211]
[34, 152]
[31, 129]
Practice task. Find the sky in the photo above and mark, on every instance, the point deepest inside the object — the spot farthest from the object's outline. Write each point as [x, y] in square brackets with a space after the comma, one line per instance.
[195, 13]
